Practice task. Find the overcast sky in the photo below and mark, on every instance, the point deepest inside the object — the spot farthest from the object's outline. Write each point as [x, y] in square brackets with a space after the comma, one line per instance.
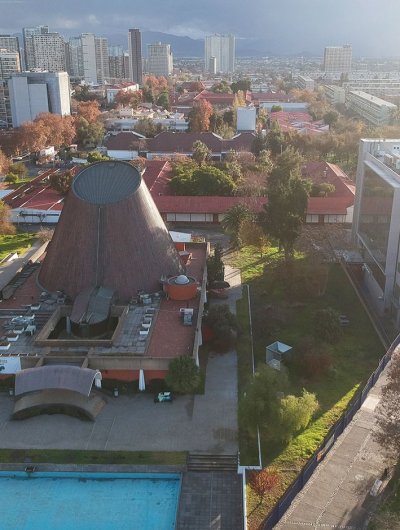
[288, 25]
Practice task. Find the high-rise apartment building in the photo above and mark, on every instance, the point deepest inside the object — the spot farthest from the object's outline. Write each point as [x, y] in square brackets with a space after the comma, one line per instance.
[34, 92]
[89, 58]
[102, 63]
[29, 52]
[222, 47]
[117, 63]
[9, 43]
[159, 59]
[337, 59]
[74, 58]
[135, 56]
[9, 63]
[5, 109]
[49, 52]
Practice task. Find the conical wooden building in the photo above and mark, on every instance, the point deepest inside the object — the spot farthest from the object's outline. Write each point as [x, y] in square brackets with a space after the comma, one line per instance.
[110, 234]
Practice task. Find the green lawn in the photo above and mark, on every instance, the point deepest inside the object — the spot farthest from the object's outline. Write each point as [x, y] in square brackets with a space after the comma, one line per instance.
[19, 242]
[283, 307]
[54, 456]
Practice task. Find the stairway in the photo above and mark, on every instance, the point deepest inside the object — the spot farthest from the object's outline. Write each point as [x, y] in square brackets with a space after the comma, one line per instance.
[211, 462]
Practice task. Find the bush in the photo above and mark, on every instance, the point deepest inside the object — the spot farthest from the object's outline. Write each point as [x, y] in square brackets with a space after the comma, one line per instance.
[311, 360]
[294, 415]
[183, 375]
[223, 325]
[11, 178]
[327, 325]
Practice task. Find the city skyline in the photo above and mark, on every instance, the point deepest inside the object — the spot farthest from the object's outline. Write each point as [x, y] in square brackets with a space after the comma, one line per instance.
[305, 24]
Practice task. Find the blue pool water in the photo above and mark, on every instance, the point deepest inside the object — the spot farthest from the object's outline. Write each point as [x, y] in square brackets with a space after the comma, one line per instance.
[88, 501]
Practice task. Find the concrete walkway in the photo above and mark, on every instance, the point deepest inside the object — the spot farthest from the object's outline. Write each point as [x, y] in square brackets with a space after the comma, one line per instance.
[337, 495]
[9, 270]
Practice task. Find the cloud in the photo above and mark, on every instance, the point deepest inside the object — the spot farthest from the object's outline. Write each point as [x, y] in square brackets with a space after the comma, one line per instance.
[287, 26]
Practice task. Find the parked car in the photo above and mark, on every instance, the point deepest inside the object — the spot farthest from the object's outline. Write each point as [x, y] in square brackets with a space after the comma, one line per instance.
[163, 397]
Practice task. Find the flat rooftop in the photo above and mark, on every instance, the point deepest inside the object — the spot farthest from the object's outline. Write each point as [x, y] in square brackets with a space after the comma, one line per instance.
[167, 337]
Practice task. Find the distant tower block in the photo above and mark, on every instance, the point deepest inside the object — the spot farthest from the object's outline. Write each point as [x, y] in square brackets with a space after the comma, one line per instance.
[110, 234]
[213, 65]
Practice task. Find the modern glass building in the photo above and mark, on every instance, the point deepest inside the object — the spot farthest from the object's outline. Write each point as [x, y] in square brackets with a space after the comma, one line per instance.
[376, 225]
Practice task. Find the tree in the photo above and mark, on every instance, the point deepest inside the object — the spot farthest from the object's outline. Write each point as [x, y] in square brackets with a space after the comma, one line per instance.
[89, 134]
[327, 325]
[128, 98]
[260, 143]
[11, 178]
[201, 153]
[260, 403]
[330, 117]
[200, 115]
[163, 100]
[275, 139]
[90, 110]
[5, 163]
[261, 482]
[82, 93]
[19, 169]
[251, 234]
[147, 127]
[388, 411]
[223, 326]
[276, 108]
[322, 190]
[61, 182]
[264, 161]
[232, 221]
[32, 136]
[241, 84]
[294, 415]
[96, 156]
[215, 265]
[59, 130]
[6, 227]
[183, 375]
[287, 195]
[221, 88]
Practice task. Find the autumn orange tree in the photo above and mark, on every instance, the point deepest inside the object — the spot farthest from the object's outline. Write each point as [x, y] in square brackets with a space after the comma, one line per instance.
[261, 482]
[199, 116]
[153, 86]
[6, 227]
[128, 98]
[4, 163]
[90, 110]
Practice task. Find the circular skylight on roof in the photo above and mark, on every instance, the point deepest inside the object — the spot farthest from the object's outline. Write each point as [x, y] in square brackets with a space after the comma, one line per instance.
[182, 279]
[106, 182]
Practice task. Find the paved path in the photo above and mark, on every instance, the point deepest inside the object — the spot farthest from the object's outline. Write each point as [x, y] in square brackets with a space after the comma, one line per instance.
[337, 495]
[9, 270]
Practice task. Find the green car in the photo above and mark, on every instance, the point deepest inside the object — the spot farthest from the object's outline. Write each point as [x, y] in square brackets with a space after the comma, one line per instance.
[162, 397]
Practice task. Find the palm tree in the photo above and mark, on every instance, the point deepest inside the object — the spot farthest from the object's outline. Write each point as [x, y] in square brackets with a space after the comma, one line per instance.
[232, 220]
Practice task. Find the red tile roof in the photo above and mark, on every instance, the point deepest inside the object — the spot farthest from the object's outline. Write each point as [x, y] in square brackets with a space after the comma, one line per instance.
[182, 142]
[212, 205]
[156, 175]
[123, 141]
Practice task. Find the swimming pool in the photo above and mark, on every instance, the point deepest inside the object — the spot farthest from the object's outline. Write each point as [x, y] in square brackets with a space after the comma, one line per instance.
[88, 501]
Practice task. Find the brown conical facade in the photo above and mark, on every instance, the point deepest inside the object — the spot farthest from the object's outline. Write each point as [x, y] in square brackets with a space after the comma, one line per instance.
[110, 233]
